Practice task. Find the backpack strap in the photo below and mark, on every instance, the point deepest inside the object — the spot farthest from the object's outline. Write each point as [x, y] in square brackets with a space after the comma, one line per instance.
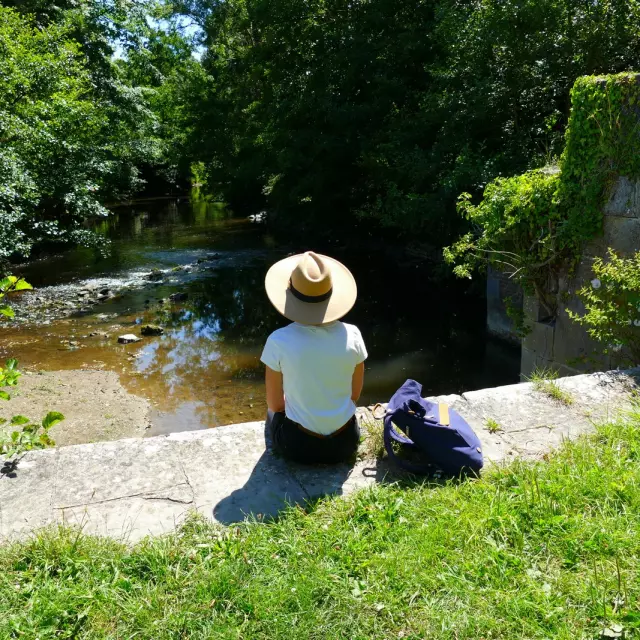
[390, 434]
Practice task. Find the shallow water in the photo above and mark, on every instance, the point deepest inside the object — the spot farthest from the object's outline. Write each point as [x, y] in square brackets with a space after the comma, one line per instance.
[205, 370]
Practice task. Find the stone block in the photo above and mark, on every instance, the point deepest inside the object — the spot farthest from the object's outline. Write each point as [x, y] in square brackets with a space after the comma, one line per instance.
[125, 489]
[574, 347]
[540, 340]
[531, 308]
[530, 361]
[622, 234]
[624, 199]
[341, 479]
[132, 518]
[531, 423]
[108, 471]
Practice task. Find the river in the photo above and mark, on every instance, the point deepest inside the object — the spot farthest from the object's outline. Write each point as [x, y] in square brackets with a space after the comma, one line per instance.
[204, 371]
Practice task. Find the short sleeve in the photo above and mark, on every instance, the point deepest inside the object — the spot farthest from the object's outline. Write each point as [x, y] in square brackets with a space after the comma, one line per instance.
[271, 354]
[359, 346]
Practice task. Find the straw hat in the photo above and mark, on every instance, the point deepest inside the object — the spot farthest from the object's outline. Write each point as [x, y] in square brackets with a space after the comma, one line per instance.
[310, 288]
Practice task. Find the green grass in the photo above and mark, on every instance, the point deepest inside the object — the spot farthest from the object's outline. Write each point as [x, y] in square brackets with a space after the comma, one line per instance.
[372, 440]
[532, 550]
[545, 381]
[492, 425]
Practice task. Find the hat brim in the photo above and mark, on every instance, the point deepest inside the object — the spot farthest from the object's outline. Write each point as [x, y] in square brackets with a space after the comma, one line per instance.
[342, 299]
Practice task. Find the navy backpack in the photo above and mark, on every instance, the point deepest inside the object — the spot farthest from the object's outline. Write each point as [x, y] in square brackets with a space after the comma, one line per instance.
[439, 434]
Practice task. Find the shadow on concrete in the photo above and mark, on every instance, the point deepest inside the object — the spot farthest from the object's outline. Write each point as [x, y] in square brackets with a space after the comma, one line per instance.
[275, 484]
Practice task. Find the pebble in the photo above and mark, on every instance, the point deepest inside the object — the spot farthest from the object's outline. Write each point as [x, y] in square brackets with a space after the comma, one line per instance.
[128, 338]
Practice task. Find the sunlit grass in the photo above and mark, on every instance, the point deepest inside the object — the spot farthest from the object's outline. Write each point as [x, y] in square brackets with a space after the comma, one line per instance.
[531, 550]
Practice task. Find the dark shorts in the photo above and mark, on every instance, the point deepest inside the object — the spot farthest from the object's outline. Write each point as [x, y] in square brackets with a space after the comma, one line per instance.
[293, 443]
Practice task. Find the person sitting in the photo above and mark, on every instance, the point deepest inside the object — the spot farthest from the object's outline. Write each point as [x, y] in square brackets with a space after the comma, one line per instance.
[315, 365]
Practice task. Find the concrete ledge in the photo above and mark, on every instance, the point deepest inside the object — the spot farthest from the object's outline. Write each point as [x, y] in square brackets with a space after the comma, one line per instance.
[135, 487]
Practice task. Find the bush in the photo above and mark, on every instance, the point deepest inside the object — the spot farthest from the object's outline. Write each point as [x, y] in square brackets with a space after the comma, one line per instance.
[612, 303]
[535, 225]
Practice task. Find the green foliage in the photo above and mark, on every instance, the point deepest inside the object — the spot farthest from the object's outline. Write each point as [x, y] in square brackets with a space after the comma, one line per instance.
[30, 436]
[544, 381]
[515, 230]
[390, 109]
[492, 425]
[8, 285]
[534, 225]
[531, 550]
[80, 125]
[612, 305]
[9, 376]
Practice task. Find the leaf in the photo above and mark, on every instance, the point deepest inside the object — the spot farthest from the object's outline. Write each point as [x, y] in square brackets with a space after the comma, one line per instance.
[11, 364]
[21, 285]
[3, 420]
[51, 419]
[45, 440]
[4, 395]
[7, 312]
[17, 420]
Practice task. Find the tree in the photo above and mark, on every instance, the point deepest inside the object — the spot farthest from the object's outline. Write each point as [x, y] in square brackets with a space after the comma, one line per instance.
[73, 136]
[325, 109]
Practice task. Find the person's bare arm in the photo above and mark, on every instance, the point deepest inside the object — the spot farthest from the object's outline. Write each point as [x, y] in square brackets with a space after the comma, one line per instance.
[357, 382]
[275, 390]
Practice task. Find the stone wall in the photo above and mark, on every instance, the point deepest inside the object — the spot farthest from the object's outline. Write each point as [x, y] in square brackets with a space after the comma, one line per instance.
[561, 343]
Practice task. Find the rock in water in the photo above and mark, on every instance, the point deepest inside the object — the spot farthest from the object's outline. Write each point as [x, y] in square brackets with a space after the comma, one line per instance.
[155, 275]
[128, 338]
[151, 330]
[178, 297]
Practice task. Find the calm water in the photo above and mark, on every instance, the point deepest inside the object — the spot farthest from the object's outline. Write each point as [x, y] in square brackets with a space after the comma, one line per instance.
[205, 370]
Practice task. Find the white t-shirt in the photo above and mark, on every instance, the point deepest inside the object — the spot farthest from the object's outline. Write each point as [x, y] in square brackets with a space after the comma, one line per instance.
[317, 364]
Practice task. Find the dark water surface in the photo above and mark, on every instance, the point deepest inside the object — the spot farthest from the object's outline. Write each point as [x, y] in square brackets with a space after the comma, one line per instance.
[205, 370]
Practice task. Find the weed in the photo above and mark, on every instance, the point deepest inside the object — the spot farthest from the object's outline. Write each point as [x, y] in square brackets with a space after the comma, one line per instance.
[372, 444]
[492, 425]
[545, 381]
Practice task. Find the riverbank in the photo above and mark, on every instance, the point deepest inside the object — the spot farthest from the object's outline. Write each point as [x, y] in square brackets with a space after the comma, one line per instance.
[130, 488]
[532, 550]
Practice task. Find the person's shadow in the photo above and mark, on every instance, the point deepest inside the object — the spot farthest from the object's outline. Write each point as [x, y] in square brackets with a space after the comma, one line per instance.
[276, 483]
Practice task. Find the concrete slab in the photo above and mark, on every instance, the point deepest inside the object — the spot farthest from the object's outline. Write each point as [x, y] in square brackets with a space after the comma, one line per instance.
[125, 489]
[26, 495]
[232, 474]
[136, 487]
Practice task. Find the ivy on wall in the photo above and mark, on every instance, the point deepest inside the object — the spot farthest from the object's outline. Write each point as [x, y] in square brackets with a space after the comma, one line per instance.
[535, 225]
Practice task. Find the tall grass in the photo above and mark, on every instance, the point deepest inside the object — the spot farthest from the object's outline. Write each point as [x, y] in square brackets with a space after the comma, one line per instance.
[531, 550]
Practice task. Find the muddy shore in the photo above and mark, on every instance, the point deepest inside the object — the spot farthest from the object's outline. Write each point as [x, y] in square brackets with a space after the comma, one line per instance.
[95, 405]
